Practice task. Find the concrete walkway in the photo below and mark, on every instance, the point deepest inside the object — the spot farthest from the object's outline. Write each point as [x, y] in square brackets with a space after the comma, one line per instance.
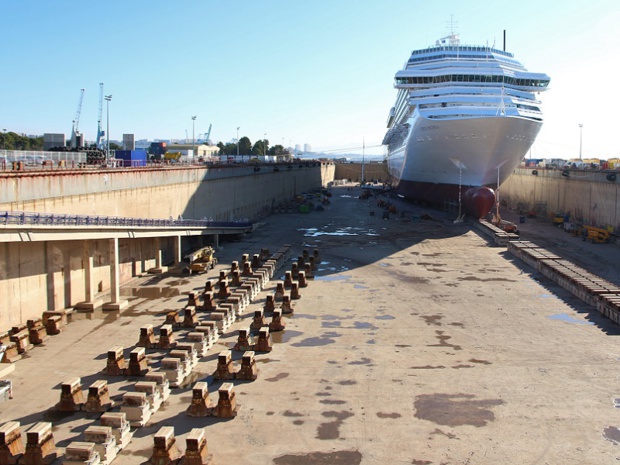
[417, 343]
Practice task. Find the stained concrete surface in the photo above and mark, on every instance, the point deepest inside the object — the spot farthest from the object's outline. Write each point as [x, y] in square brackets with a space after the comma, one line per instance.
[418, 342]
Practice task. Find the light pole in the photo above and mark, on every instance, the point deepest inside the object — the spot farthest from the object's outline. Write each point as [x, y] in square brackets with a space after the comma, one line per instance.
[265, 145]
[238, 141]
[107, 104]
[193, 139]
[580, 138]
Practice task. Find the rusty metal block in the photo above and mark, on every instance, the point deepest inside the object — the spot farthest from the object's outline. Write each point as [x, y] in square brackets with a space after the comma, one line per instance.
[295, 291]
[279, 292]
[248, 370]
[172, 318]
[196, 450]
[287, 306]
[189, 317]
[224, 369]
[71, 396]
[201, 405]
[227, 402]
[40, 445]
[270, 304]
[208, 303]
[244, 340]
[116, 364]
[224, 290]
[147, 337]
[264, 343]
[302, 279]
[247, 269]
[258, 321]
[54, 325]
[166, 337]
[11, 444]
[138, 363]
[165, 451]
[276, 323]
[288, 279]
[98, 398]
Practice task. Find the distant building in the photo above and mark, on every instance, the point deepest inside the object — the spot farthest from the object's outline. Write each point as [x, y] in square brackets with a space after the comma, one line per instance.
[307, 148]
[129, 142]
[201, 150]
[53, 140]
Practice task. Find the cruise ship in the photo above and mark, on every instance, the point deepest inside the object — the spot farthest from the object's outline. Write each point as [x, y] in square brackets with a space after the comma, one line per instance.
[464, 118]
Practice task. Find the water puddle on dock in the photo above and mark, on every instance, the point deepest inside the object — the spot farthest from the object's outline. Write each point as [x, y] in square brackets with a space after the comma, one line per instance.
[569, 319]
[332, 278]
[348, 231]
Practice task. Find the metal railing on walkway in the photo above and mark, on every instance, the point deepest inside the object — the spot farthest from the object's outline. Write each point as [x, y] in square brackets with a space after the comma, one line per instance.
[55, 219]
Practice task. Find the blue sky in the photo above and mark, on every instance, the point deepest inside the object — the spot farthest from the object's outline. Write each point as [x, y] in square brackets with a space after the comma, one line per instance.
[317, 72]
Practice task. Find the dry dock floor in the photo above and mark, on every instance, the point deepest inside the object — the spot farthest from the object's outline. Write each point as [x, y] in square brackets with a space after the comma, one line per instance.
[419, 342]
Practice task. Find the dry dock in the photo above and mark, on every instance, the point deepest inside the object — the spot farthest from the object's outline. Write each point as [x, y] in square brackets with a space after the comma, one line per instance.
[417, 342]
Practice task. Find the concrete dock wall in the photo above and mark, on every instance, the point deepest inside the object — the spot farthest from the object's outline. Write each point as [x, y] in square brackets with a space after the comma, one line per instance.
[50, 275]
[353, 171]
[588, 196]
[220, 193]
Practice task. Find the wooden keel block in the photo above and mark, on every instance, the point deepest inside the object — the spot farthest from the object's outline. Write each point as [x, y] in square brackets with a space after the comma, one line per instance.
[81, 453]
[137, 409]
[161, 382]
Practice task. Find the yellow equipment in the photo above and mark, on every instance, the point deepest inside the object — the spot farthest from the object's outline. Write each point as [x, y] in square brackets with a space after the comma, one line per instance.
[201, 260]
[595, 235]
[173, 156]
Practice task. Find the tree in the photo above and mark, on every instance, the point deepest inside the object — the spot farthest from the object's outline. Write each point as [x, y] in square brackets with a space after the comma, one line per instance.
[260, 147]
[245, 146]
[14, 141]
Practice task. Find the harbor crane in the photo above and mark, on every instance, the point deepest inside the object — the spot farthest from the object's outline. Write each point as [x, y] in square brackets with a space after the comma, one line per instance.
[100, 131]
[75, 133]
[205, 137]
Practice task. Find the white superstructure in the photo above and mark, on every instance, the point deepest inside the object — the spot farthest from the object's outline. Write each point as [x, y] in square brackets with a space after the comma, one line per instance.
[464, 116]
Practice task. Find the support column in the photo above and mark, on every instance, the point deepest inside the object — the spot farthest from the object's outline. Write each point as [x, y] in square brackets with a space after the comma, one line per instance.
[159, 268]
[177, 250]
[88, 261]
[216, 241]
[115, 302]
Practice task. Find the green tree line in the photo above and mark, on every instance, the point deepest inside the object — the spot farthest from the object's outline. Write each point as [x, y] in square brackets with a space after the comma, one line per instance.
[14, 141]
[260, 147]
